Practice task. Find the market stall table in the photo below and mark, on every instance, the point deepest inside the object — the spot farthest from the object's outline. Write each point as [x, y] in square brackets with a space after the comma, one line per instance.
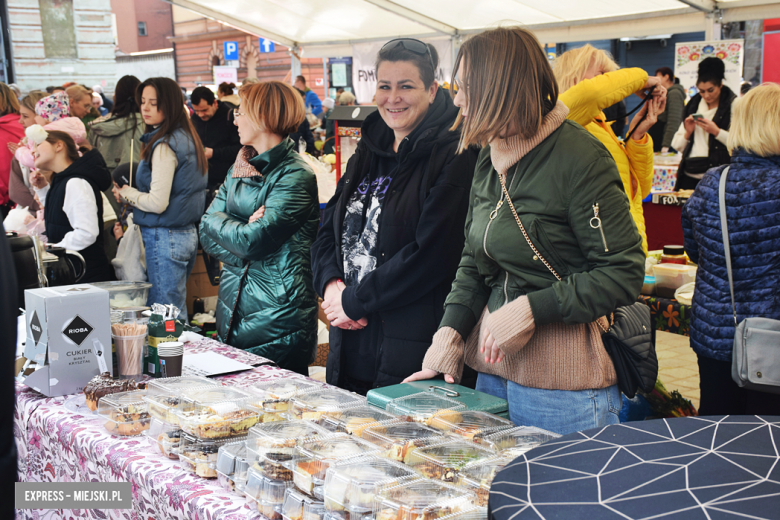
[668, 315]
[692, 468]
[58, 445]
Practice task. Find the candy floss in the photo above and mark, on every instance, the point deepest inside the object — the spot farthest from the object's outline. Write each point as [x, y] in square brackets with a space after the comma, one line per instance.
[68, 338]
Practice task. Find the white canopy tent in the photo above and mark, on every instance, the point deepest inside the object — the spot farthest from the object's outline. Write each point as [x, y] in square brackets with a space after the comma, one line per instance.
[328, 28]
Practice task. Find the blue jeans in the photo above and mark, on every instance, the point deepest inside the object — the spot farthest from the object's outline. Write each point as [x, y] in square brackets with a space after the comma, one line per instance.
[558, 411]
[170, 257]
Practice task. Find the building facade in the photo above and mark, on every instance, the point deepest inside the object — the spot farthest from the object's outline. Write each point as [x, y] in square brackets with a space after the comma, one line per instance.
[142, 25]
[56, 41]
[199, 45]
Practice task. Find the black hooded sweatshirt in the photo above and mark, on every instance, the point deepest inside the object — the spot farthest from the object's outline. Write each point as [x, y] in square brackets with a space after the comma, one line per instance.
[418, 246]
[92, 168]
[221, 135]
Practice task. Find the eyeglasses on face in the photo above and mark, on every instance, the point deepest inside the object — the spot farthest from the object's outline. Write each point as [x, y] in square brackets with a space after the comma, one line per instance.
[236, 113]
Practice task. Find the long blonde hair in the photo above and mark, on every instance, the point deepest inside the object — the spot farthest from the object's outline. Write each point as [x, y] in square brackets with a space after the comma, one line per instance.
[571, 66]
[754, 120]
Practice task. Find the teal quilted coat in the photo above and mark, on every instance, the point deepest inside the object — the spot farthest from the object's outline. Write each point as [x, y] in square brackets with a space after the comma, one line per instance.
[267, 303]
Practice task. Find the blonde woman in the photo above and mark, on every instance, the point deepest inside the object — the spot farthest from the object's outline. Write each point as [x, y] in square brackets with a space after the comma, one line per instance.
[261, 225]
[752, 206]
[590, 81]
[532, 336]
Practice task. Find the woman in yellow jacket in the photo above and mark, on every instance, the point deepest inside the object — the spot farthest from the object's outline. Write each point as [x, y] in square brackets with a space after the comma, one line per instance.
[590, 82]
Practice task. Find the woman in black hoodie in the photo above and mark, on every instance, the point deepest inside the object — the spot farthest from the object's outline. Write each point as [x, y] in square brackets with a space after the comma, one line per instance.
[73, 209]
[392, 234]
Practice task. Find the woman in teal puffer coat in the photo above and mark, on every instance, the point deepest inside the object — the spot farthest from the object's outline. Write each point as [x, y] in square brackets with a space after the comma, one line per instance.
[261, 225]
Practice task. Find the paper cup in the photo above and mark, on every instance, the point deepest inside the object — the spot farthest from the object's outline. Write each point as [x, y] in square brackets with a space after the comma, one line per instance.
[130, 355]
[170, 354]
[170, 366]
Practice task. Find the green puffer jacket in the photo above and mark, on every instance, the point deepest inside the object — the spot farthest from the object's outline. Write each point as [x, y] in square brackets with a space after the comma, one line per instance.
[554, 189]
[112, 136]
[266, 295]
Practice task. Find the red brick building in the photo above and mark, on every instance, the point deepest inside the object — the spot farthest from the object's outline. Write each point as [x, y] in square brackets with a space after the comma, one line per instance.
[142, 25]
[199, 45]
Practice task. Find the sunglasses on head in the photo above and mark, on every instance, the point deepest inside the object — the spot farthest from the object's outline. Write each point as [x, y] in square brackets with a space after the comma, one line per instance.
[411, 45]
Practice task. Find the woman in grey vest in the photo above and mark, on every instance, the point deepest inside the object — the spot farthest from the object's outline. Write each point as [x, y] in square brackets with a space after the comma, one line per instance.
[171, 192]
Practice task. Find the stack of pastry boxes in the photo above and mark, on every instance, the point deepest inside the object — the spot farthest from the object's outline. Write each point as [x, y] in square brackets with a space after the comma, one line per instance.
[215, 427]
[314, 453]
[211, 418]
[163, 399]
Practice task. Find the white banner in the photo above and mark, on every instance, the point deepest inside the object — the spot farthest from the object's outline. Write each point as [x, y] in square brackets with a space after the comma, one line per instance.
[225, 75]
[688, 55]
[364, 58]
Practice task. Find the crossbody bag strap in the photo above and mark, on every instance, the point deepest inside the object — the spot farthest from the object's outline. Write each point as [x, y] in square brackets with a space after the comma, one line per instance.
[724, 226]
[531, 244]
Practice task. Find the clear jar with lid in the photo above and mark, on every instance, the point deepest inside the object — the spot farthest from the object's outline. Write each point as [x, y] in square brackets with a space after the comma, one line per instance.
[674, 255]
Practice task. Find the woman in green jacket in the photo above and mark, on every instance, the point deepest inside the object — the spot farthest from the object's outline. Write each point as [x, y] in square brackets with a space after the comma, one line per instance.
[261, 225]
[534, 338]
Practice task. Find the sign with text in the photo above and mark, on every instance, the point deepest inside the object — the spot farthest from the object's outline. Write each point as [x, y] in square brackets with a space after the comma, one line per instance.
[689, 54]
[231, 51]
[73, 495]
[225, 74]
[267, 45]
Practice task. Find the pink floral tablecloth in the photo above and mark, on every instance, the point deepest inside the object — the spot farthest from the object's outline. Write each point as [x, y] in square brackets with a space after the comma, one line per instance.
[57, 445]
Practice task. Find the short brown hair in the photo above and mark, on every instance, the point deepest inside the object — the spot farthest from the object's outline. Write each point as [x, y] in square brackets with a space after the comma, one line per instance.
[9, 104]
[273, 105]
[508, 83]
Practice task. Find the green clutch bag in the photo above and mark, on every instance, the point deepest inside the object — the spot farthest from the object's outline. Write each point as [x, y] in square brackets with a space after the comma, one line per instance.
[472, 399]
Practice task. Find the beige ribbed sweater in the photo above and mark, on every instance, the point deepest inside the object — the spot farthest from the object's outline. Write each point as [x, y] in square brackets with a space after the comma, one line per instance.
[555, 356]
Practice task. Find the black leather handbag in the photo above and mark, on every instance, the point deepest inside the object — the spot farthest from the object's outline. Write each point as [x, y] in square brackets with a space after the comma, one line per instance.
[629, 341]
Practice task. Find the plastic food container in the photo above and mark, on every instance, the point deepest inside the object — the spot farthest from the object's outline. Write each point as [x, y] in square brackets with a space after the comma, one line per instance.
[517, 440]
[276, 395]
[199, 456]
[298, 506]
[355, 420]
[468, 424]
[312, 459]
[215, 394]
[351, 486]
[218, 420]
[648, 287]
[443, 461]
[125, 413]
[398, 440]
[478, 477]
[422, 499]
[232, 466]
[164, 395]
[126, 294]
[421, 406]
[273, 445]
[670, 277]
[264, 494]
[164, 437]
[312, 406]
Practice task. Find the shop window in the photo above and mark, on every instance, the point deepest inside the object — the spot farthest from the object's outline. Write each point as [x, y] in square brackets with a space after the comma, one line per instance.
[59, 31]
[142, 29]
